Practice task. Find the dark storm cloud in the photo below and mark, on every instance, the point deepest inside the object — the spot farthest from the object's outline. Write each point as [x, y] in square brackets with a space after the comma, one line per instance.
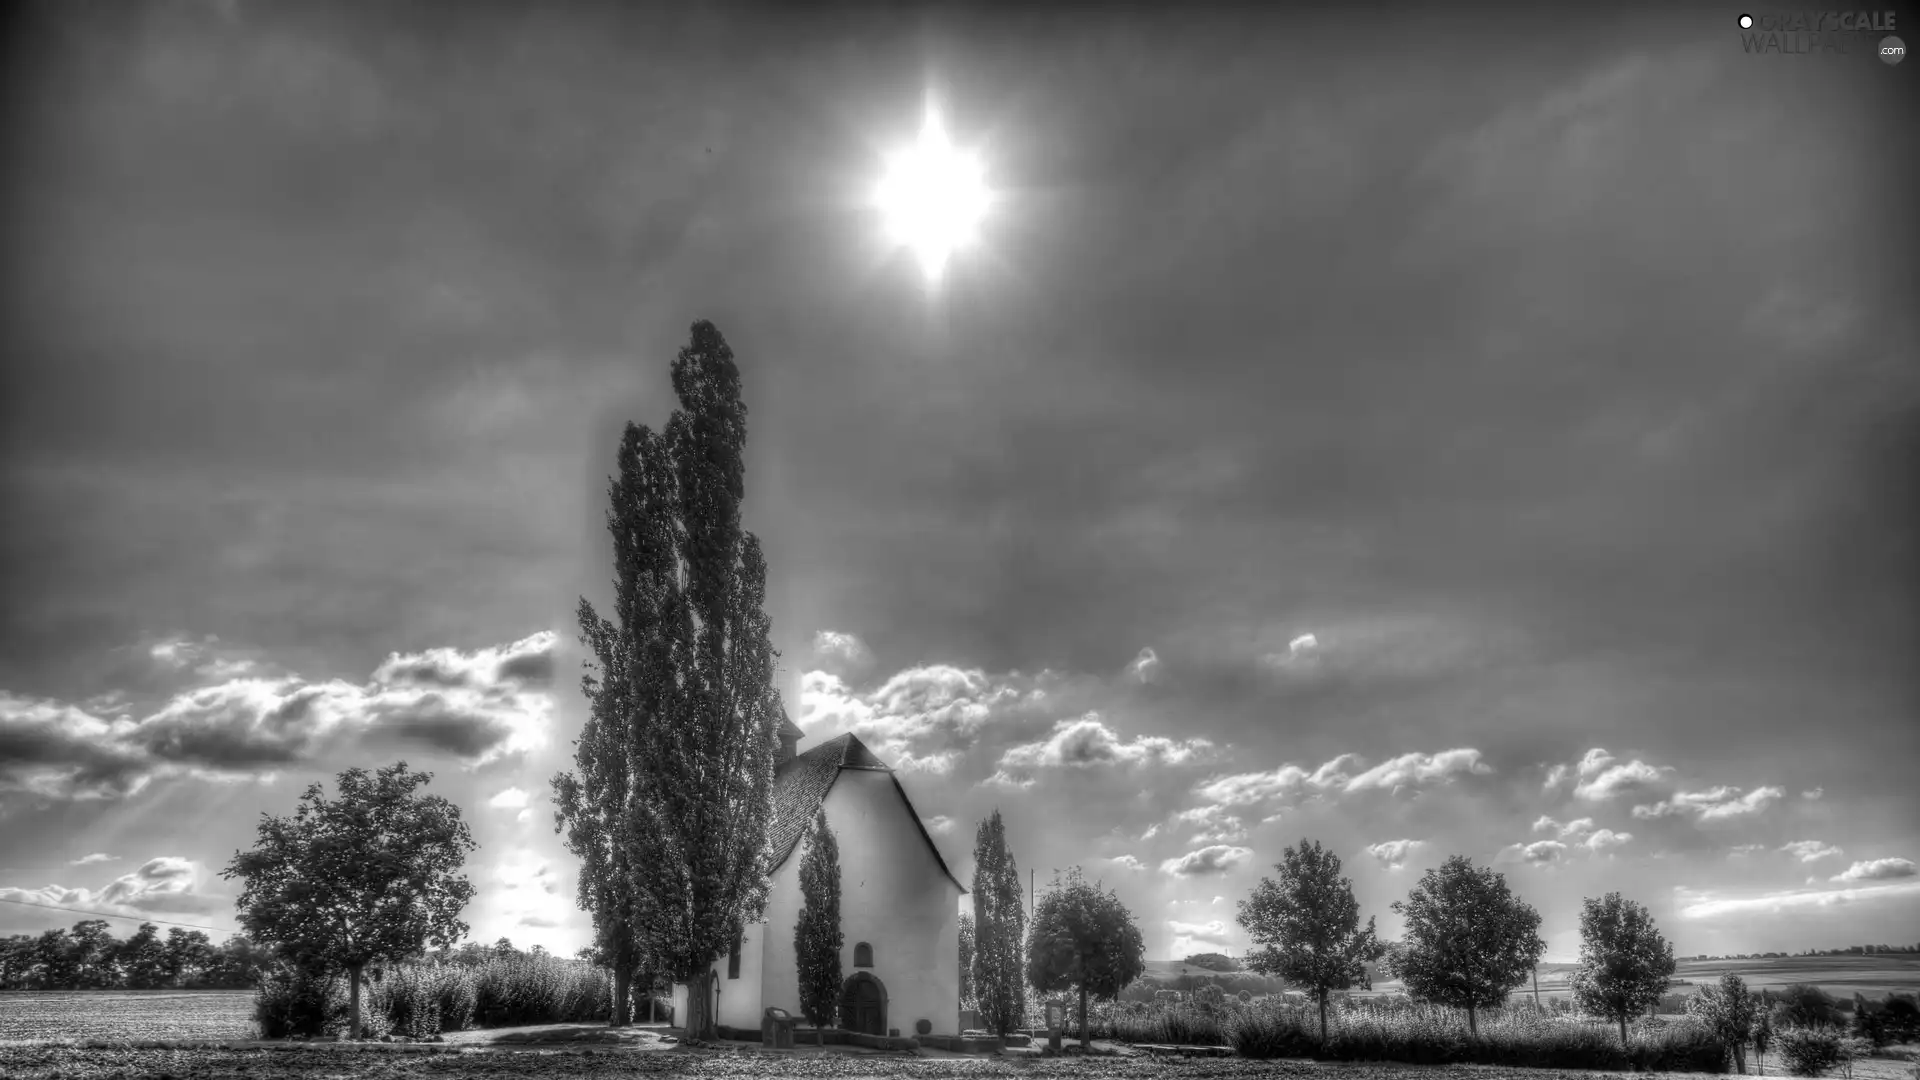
[431, 722]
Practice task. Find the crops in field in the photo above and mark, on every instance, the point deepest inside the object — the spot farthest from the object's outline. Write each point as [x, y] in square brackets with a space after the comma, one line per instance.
[126, 1014]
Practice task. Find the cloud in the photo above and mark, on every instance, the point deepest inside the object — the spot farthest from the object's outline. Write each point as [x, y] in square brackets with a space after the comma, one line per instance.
[1248, 789]
[1601, 777]
[841, 652]
[527, 662]
[1705, 906]
[1127, 862]
[1153, 830]
[1743, 850]
[522, 870]
[96, 857]
[1576, 827]
[1143, 666]
[161, 885]
[1213, 929]
[538, 922]
[1877, 870]
[1717, 804]
[939, 823]
[510, 799]
[925, 718]
[1393, 854]
[1540, 852]
[1301, 644]
[1088, 743]
[1814, 794]
[1216, 825]
[1190, 938]
[477, 706]
[1214, 859]
[1811, 850]
[1602, 839]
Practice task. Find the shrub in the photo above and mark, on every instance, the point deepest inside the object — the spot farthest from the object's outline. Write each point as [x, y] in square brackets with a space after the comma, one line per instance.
[1809, 1051]
[1804, 1005]
[292, 1000]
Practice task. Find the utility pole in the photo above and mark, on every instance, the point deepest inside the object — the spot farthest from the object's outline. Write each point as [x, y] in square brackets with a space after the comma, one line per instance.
[1030, 872]
[1536, 986]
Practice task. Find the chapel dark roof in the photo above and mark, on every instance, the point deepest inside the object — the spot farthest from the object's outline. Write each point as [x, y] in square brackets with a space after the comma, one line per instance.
[800, 787]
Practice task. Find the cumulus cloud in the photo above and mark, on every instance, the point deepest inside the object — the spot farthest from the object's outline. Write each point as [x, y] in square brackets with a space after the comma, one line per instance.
[1301, 644]
[1393, 854]
[1877, 870]
[510, 799]
[1743, 850]
[939, 823]
[478, 706]
[924, 718]
[96, 857]
[1576, 827]
[1153, 830]
[1216, 825]
[1716, 804]
[1707, 906]
[163, 885]
[841, 652]
[538, 922]
[1601, 777]
[1540, 852]
[1087, 743]
[1811, 850]
[1814, 794]
[1127, 862]
[1406, 771]
[1213, 859]
[1602, 839]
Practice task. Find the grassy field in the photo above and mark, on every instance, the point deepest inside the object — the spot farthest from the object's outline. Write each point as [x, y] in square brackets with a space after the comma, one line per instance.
[1874, 976]
[126, 1014]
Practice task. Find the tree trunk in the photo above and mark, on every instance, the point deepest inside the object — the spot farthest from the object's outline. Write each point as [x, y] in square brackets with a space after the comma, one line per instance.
[1323, 1015]
[1086, 1033]
[353, 1001]
[1740, 1058]
[1623, 1029]
[622, 996]
[1473, 1023]
[700, 1019]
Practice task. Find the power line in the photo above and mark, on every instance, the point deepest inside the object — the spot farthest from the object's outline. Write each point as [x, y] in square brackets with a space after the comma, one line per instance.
[105, 915]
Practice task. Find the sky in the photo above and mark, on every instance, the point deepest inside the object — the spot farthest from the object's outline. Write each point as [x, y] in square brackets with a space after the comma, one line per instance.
[1467, 435]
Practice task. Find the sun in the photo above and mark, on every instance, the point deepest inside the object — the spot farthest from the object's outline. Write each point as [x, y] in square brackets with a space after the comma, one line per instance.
[933, 196]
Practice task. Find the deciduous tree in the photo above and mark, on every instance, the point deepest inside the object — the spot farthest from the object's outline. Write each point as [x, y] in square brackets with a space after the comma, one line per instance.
[1624, 962]
[369, 877]
[1306, 926]
[1731, 1011]
[1083, 940]
[817, 938]
[1469, 940]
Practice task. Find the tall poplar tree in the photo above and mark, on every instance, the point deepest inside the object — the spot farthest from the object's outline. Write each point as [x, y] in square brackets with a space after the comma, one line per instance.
[684, 692]
[999, 928]
[817, 937]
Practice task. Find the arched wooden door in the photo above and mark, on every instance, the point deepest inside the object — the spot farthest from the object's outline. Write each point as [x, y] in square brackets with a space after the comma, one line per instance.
[863, 1005]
